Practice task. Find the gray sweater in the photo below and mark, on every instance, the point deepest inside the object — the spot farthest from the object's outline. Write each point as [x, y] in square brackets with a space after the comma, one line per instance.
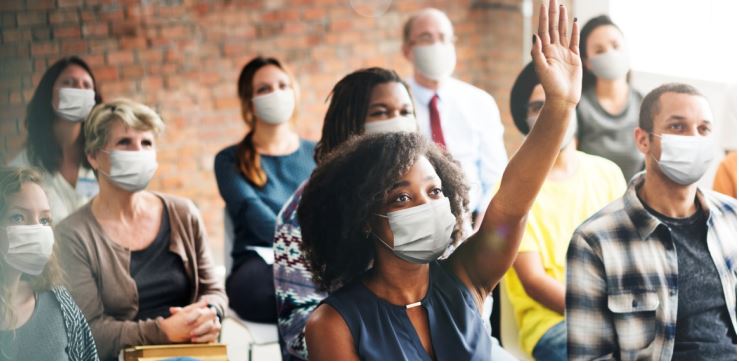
[610, 136]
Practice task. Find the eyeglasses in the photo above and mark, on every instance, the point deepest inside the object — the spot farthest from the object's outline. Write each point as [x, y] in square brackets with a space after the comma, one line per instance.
[428, 39]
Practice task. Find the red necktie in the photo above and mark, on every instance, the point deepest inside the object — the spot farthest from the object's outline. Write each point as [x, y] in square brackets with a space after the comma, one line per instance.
[436, 134]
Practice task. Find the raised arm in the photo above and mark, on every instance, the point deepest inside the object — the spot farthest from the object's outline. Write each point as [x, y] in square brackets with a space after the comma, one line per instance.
[483, 259]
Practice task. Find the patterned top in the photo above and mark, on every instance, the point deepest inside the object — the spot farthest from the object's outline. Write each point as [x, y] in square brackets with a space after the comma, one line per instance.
[297, 295]
[622, 274]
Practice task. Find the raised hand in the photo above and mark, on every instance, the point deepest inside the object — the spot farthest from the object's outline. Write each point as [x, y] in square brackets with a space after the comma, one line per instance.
[557, 56]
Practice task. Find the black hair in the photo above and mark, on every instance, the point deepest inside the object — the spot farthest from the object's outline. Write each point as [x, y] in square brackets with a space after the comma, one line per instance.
[588, 78]
[43, 149]
[350, 186]
[348, 108]
[650, 104]
[524, 85]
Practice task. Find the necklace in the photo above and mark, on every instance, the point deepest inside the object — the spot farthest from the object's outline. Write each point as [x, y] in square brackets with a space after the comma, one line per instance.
[413, 305]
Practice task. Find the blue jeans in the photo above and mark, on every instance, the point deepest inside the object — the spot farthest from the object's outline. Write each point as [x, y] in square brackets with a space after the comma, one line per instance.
[553, 344]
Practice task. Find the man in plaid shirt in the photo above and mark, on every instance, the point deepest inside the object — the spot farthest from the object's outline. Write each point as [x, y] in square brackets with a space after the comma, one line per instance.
[652, 276]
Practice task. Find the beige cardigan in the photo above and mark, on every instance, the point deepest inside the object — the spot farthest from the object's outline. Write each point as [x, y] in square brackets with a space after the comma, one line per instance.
[97, 272]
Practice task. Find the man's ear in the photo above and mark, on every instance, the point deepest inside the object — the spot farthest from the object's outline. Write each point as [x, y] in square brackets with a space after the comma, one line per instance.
[406, 48]
[642, 139]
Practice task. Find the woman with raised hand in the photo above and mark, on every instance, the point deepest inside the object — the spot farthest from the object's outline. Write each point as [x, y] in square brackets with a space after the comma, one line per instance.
[366, 101]
[608, 112]
[255, 177]
[55, 145]
[39, 320]
[138, 262]
[377, 214]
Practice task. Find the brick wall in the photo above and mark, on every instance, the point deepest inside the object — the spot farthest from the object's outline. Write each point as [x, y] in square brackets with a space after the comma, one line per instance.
[183, 58]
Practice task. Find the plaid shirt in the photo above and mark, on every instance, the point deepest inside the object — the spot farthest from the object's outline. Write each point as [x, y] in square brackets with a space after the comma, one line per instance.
[622, 273]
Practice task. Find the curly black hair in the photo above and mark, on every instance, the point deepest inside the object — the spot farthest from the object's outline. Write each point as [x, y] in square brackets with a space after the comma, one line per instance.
[350, 186]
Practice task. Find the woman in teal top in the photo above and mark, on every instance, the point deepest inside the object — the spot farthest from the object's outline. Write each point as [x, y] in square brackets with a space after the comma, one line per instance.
[379, 212]
[256, 176]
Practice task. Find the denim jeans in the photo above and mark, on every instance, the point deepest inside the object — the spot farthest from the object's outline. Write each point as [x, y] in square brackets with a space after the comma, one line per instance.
[553, 344]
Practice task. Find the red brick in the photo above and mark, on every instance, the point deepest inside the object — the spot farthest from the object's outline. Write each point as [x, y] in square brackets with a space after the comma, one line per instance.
[41, 33]
[107, 73]
[31, 18]
[119, 58]
[12, 5]
[74, 47]
[133, 43]
[175, 32]
[132, 72]
[151, 84]
[38, 4]
[70, 3]
[12, 36]
[63, 16]
[7, 20]
[67, 32]
[95, 60]
[95, 30]
[150, 56]
[43, 49]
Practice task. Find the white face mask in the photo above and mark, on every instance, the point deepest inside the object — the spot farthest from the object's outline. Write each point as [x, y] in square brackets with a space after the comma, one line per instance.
[276, 107]
[75, 104]
[132, 170]
[29, 248]
[685, 159]
[569, 134]
[395, 124]
[422, 233]
[611, 65]
[435, 61]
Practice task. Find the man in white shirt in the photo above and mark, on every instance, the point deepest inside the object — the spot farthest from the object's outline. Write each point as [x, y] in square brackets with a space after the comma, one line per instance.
[456, 115]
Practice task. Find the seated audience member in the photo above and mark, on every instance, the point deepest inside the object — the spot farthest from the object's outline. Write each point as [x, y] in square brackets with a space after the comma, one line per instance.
[725, 180]
[39, 320]
[138, 262]
[456, 115]
[608, 112]
[380, 210]
[652, 276]
[256, 176]
[577, 186]
[370, 100]
[55, 145]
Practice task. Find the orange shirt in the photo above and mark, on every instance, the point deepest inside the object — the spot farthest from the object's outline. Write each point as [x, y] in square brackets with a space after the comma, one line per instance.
[725, 181]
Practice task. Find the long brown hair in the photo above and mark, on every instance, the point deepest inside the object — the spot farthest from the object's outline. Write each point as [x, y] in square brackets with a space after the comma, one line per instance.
[247, 156]
[11, 182]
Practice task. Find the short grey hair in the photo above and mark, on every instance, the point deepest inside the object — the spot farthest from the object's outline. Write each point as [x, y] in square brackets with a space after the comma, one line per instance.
[133, 114]
[408, 25]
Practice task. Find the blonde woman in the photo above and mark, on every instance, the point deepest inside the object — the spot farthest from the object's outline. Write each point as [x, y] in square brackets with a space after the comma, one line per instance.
[256, 177]
[38, 318]
[139, 260]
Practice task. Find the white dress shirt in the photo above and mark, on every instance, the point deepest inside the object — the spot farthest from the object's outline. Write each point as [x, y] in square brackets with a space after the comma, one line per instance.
[63, 197]
[473, 133]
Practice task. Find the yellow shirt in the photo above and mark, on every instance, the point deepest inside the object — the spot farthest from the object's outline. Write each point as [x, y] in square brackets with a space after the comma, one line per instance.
[559, 209]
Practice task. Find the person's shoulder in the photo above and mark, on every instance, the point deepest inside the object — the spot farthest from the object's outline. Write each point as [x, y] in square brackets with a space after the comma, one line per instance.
[600, 226]
[75, 221]
[307, 144]
[228, 153]
[724, 203]
[20, 160]
[181, 205]
[600, 164]
[464, 89]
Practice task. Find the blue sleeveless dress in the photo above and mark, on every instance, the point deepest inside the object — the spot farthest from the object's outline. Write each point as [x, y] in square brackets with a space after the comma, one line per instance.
[383, 331]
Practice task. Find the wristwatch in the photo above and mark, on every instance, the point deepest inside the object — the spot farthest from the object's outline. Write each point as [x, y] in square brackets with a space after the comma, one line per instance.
[219, 314]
